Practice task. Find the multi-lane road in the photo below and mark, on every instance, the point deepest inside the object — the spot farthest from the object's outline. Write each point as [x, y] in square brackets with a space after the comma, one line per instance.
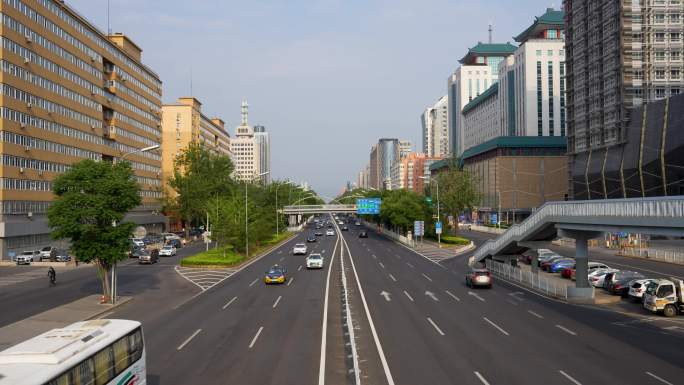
[413, 322]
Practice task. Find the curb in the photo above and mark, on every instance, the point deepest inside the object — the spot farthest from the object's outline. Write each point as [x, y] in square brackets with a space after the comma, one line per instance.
[120, 302]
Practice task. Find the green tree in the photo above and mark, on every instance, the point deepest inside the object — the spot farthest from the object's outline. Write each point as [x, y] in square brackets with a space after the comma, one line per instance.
[400, 208]
[457, 192]
[199, 176]
[92, 199]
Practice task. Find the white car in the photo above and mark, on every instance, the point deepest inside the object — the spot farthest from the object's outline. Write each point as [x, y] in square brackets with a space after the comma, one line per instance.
[314, 261]
[299, 249]
[597, 276]
[27, 257]
[638, 287]
[138, 242]
[330, 232]
[167, 251]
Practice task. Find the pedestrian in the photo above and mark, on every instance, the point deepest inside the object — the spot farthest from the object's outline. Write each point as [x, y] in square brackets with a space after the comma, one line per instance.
[52, 274]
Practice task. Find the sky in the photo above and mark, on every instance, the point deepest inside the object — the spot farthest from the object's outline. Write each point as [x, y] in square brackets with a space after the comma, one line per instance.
[326, 77]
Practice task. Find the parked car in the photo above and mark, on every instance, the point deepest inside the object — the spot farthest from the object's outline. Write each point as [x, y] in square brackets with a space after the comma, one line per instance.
[363, 234]
[592, 266]
[546, 265]
[618, 282]
[547, 257]
[478, 277]
[62, 256]
[167, 251]
[357, 223]
[597, 276]
[637, 288]
[561, 264]
[175, 242]
[48, 253]
[148, 256]
[137, 241]
[27, 257]
[314, 261]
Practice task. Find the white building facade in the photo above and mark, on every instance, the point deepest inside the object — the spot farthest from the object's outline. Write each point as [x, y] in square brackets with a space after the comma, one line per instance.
[245, 150]
[262, 140]
[481, 120]
[435, 124]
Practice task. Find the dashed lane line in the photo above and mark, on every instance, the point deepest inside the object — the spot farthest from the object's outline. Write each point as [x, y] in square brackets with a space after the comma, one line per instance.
[499, 328]
[659, 379]
[481, 378]
[452, 295]
[181, 346]
[229, 302]
[569, 378]
[408, 295]
[277, 301]
[253, 282]
[256, 336]
[566, 330]
[435, 326]
[535, 314]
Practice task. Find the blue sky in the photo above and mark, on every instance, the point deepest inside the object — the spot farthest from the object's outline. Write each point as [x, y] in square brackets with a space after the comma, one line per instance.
[326, 77]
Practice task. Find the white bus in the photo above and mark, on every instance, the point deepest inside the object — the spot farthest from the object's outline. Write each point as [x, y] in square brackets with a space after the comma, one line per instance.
[94, 352]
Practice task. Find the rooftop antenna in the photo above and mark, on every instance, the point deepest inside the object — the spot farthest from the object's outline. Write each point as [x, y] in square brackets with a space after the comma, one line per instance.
[109, 27]
[245, 112]
[490, 32]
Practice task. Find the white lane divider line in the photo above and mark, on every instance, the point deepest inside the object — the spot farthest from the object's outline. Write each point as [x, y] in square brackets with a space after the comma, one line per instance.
[435, 326]
[408, 295]
[289, 281]
[374, 256]
[229, 302]
[659, 379]
[251, 344]
[535, 314]
[512, 302]
[476, 296]
[398, 256]
[282, 259]
[253, 282]
[381, 265]
[299, 268]
[569, 378]
[496, 326]
[481, 378]
[181, 346]
[324, 333]
[410, 265]
[392, 278]
[452, 295]
[426, 277]
[276, 301]
[566, 330]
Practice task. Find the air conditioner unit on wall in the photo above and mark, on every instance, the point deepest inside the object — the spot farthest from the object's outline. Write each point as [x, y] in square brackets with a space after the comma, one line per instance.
[21, 170]
[29, 39]
[27, 60]
[22, 125]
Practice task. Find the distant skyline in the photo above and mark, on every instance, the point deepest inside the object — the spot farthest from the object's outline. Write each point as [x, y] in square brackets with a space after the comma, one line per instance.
[326, 77]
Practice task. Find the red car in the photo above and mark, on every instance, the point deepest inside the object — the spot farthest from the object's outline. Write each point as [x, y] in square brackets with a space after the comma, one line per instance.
[567, 272]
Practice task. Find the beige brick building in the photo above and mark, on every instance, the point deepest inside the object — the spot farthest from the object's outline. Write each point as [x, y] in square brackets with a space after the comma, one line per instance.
[69, 92]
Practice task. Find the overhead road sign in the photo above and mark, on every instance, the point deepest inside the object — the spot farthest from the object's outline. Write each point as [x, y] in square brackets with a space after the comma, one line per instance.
[368, 206]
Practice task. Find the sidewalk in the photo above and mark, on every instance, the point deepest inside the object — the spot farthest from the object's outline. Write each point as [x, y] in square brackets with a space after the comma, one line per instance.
[433, 252]
[58, 317]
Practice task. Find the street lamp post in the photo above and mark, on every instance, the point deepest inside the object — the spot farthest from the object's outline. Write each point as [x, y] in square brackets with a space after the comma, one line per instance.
[278, 214]
[123, 157]
[439, 218]
[247, 213]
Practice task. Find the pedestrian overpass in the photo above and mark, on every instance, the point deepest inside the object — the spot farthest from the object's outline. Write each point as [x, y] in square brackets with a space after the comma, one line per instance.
[584, 220]
[318, 209]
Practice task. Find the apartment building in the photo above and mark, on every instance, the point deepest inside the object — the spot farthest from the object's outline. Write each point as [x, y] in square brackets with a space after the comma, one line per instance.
[479, 69]
[262, 140]
[70, 92]
[620, 55]
[182, 123]
[481, 118]
[245, 149]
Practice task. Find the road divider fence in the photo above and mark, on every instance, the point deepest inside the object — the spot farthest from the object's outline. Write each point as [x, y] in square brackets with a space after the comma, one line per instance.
[670, 256]
[528, 279]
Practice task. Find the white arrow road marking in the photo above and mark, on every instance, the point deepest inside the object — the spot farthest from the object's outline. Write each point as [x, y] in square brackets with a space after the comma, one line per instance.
[435, 326]
[408, 295]
[251, 344]
[432, 295]
[476, 296]
[452, 295]
[426, 277]
[229, 302]
[189, 339]
[386, 295]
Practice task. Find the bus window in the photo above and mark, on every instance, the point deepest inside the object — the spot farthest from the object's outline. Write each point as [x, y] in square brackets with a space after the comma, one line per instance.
[121, 355]
[61, 380]
[104, 366]
[136, 346]
[82, 374]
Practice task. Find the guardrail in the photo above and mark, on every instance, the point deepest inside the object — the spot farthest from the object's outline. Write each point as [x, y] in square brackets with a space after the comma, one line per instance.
[670, 256]
[308, 209]
[658, 208]
[529, 279]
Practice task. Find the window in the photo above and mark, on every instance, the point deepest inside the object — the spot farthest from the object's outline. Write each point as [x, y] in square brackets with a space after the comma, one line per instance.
[549, 53]
[675, 55]
[561, 52]
[549, 75]
[674, 18]
[659, 18]
[660, 37]
[638, 74]
[675, 74]
[674, 91]
[538, 53]
[675, 36]
[660, 74]
[659, 93]
[562, 98]
[552, 34]
[660, 55]
[540, 124]
[638, 55]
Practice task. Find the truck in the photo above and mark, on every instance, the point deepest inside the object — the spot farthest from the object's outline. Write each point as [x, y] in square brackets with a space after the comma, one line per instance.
[666, 296]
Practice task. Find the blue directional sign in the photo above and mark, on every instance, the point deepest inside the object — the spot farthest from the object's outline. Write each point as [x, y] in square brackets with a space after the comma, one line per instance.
[438, 227]
[368, 206]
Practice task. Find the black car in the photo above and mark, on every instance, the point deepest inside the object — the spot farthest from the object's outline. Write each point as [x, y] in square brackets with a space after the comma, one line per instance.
[311, 238]
[363, 234]
[345, 228]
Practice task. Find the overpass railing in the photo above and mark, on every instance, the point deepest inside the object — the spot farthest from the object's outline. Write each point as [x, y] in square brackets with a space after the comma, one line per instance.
[657, 208]
[296, 209]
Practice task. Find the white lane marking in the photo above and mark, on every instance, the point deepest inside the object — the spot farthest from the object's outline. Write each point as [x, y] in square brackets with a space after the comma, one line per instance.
[374, 257]
[280, 251]
[381, 265]
[386, 295]
[299, 268]
[181, 346]
[659, 379]
[435, 326]
[376, 339]
[253, 282]
[392, 278]
[476, 296]
[410, 265]
[569, 378]
[535, 314]
[495, 325]
[452, 295]
[432, 295]
[408, 295]
[289, 281]
[512, 302]
[426, 277]
[398, 256]
[282, 259]
[251, 344]
[276, 301]
[229, 302]
[481, 378]
[566, 330]
[324, 333]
